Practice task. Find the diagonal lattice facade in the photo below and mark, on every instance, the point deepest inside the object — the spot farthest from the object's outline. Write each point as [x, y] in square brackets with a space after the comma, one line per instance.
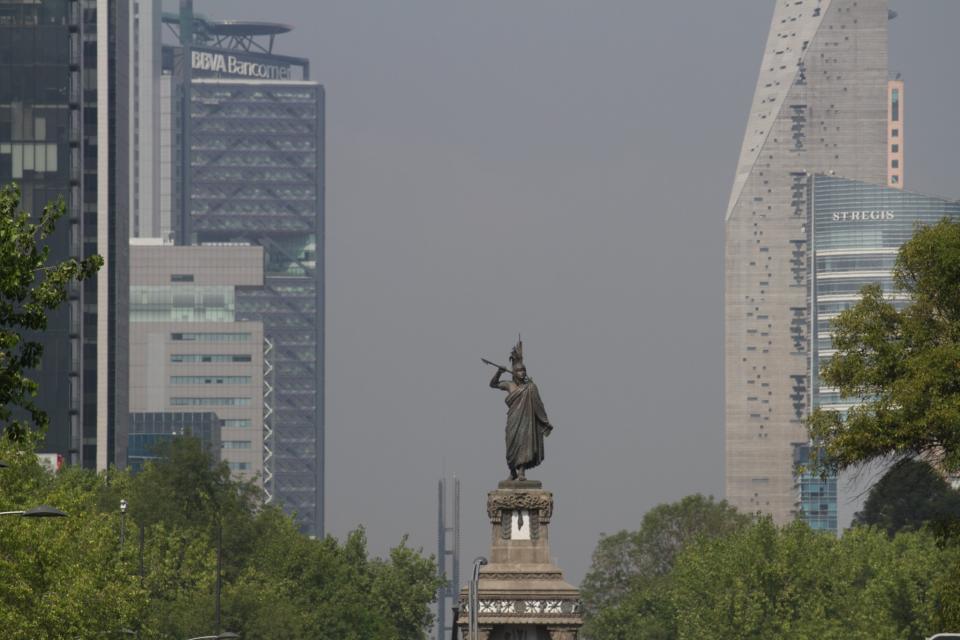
[256, 177]
[819, 107]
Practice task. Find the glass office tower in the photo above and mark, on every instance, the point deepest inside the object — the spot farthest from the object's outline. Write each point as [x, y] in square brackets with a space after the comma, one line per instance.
[857, 229]
[256, 177]
[63, 134]
[242, 163]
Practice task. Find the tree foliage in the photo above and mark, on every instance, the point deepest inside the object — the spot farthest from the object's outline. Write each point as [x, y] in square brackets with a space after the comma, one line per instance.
[795, 583]
[71, 577]
[633, 564]
[902, 363]
[29, 288]
[756, 580]
[909, 496]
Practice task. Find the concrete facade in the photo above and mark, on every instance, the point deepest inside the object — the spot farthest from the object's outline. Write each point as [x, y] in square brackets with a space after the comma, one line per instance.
[188, 353]
[820, 107]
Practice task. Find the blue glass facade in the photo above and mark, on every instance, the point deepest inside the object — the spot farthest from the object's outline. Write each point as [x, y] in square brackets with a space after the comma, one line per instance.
[818, 494]
[856, 229]
[255, 177]
[147, 430]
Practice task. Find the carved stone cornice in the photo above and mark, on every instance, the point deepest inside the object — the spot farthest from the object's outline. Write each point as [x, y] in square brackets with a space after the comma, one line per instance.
[521, 575]
[539, 501]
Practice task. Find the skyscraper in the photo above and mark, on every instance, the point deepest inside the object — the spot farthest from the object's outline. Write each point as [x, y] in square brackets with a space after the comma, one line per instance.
[820, 106]
[857, 230]
[63, 133]
[241, 163]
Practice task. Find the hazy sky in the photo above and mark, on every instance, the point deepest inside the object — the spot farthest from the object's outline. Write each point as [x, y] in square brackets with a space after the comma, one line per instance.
[560, 169]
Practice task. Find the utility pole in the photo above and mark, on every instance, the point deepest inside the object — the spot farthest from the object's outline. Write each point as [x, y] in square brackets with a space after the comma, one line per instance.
[451, 587]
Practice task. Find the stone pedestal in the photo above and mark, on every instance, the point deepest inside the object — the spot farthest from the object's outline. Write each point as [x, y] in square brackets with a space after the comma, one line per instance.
[522, 593]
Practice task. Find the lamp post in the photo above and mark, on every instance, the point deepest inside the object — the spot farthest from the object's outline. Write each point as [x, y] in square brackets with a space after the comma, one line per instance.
[123, 521]
[475, 598]
[219, 570]
[42, 511]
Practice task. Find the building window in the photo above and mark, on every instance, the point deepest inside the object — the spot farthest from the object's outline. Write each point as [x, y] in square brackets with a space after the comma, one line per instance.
[235, 444]
[895, 105]
[210, 402]
[894, 179]
[236, 423]
[895, 133]
[895, 164]
[181, 277]
[210, 357]
[209, 379]
[210, 337]
[239, 466]
[895, 148]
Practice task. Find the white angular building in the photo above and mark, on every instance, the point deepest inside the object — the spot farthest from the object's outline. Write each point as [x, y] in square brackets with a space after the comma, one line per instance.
[820, 106]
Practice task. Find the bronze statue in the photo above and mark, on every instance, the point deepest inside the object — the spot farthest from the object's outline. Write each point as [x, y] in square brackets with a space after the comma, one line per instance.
[527, 422]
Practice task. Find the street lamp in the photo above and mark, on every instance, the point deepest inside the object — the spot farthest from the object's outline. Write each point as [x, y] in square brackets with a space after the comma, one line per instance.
[42, 511]
[475, 598]
[123, 520]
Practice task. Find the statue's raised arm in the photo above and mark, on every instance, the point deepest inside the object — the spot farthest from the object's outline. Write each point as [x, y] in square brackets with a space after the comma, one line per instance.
[527, 422]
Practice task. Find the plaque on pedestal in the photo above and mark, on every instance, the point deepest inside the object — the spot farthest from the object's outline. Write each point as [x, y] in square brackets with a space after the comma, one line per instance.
[521, 593]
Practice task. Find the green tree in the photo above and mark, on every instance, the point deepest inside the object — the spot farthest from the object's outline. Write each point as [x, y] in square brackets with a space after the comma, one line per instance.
[901, 364]
[627, 558]
[62, 577]
[628, 580]
[29, 288]
[908, 496]
[277, 582]
[796, 583]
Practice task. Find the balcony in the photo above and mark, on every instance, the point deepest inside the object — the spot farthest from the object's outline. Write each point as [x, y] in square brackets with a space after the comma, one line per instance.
[74, 47]
[73, 15]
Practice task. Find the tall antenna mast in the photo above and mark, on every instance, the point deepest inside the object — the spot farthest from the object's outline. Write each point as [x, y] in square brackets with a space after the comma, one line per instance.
[451, 586]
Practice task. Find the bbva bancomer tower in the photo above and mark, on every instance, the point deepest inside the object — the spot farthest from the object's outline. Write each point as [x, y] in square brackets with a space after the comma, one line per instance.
[824, 105]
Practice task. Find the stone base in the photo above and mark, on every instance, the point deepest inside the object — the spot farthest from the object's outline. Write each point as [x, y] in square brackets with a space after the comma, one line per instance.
[522, 594]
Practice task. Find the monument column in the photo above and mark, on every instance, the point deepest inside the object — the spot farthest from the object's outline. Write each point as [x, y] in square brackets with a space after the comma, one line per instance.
[522, 594]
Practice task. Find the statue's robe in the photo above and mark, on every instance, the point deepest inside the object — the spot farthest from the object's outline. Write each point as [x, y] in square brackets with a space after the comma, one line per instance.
[527, 424]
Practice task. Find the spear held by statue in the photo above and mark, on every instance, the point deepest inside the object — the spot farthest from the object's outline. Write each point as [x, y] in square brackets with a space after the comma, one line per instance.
[494, 364]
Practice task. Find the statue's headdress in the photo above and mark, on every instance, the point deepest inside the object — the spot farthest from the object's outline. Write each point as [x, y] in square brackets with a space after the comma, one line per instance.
[516, 354]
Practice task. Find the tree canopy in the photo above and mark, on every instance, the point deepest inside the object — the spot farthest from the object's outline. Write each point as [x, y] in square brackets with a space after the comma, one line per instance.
[910, 495]
[900, 362]
[794, 583]
[632, 564]
[71, 577]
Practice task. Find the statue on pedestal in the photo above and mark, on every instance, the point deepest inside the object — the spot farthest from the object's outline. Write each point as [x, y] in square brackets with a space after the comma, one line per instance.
[527, 422]
[520, 592]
